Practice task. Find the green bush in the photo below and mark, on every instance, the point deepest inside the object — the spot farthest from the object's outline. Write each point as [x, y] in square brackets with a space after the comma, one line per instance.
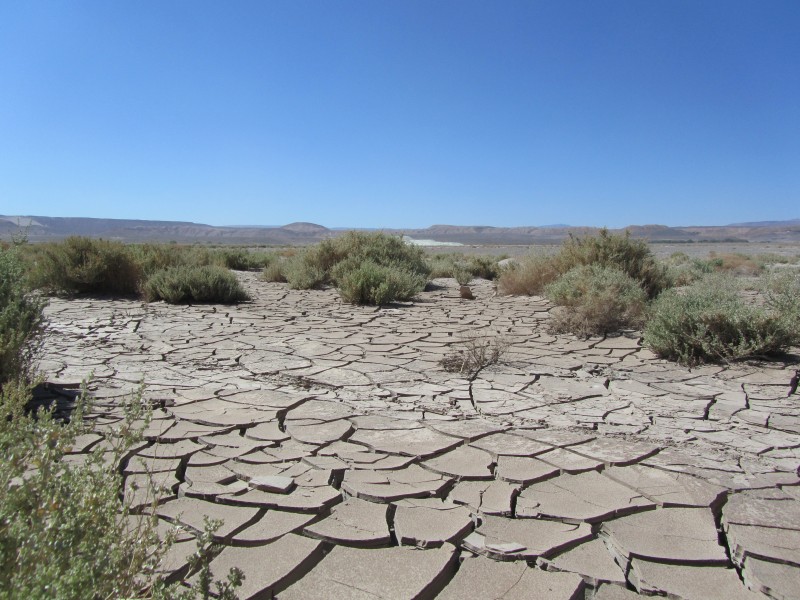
[64, 532]
[81, 265]
[366, 282]
[485, 267]
[303, 271]
[20, 316]
[241, 259]
[274, 272]
[631, 256]
[366, 267]
[194, 284]
[709, 321]
[595, 299]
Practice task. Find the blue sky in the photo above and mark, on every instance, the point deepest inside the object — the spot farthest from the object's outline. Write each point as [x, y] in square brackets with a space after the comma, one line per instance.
[401, 113]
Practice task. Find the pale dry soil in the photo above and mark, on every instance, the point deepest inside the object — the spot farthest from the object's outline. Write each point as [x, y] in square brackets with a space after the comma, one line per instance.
[346, 463]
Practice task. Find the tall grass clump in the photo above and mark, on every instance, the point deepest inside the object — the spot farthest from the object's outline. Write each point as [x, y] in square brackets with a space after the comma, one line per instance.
[176, 285]
[366, 268]
[709, 321]
[530, 276]
[595, 299]
[21, 316]
[81, 265]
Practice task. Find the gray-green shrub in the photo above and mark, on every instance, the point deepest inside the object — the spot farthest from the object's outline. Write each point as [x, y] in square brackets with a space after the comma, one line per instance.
[81, 265]
[709, 321]
[631, 256]
[366, 267]
[64, 531]
[595, 299]
[366, 282]
[194, 284]
[20, 316]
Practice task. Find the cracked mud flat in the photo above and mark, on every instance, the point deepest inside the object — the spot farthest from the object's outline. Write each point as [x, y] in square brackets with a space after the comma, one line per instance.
[346, 463]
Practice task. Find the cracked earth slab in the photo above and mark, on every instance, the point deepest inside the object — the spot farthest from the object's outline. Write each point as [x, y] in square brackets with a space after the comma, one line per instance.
[346, 463]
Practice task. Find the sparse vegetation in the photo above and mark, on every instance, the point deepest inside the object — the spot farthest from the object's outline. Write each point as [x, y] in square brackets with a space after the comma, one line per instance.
[710, 321]
[20, 316]
[473, 353]
[194, 284]
[595, 299]
[631, 256]
[445, 265]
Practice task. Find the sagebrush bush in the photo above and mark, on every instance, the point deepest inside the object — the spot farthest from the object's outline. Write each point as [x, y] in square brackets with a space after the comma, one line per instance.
[194, 284]
[366, 282]
[65, 533]
[303, 272]
[595, 299]
[20, 316]
[274, 272]
[81, 265]
[710, 321]
[631, 256]
[371, 268]
[66, 530]
[529, 276]
[485, 267]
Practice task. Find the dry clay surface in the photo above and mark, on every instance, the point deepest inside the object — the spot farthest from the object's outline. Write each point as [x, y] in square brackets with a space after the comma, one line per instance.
[346, 463]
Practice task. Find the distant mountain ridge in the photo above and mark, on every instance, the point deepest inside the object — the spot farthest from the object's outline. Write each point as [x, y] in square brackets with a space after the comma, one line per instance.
[39, 228]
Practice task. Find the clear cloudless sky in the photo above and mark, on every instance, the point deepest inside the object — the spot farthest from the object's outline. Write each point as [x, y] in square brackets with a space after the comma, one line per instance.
[372, 113]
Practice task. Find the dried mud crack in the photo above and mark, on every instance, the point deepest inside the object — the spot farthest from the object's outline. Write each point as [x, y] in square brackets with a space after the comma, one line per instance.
[345, 462]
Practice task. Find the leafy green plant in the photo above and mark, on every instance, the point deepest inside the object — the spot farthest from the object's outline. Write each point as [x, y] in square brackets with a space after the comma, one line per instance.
[595, 299]
[20, 316]
[709, 321]
[194, 284]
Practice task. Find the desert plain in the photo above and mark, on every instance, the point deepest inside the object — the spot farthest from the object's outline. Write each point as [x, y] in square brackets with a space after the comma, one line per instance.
[346, 462]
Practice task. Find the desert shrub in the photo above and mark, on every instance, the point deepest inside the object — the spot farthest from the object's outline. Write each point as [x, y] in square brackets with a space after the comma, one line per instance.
[81, 265]
[273, 272]
[366, 282]
[461, 274]
[709, 321]
[364, 266]
[529, 276]
[735, 263]
[302, 272]
[194, 284]
[485, 267]
[595, 299]
[241, 259]
[781, 292]
[64, 531]
[20, 316]
[631, 256]
[473, 352]
[683, 269]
